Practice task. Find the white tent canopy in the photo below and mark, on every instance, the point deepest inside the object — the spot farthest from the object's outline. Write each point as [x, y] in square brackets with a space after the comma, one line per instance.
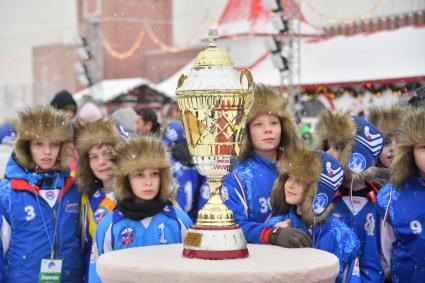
[107, 90]
[385, 55]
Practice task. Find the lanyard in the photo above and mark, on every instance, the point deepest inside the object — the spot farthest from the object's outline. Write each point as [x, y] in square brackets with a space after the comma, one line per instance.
[51, 240]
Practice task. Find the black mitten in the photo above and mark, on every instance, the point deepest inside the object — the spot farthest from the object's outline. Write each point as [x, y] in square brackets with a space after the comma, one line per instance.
[182, 154]
[289, 238]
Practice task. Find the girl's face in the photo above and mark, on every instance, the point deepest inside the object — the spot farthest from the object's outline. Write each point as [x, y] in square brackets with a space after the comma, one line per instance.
[419, 155]
[145, 183]
[294, 190]
[333, 149]
[45, 152]
[387, 154]
[100, 162]
[265, 133]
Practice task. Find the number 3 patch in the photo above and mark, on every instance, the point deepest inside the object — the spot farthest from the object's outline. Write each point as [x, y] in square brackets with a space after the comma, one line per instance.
[29, 209]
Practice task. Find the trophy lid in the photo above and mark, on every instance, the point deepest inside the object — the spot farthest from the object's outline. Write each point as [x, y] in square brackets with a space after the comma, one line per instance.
[213, 55]
[213, 70]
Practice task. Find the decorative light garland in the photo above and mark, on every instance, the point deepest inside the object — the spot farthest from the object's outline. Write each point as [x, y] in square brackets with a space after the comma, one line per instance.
[167, 48]
[376, 90]
[331, 20]
[138, 43]
[122, 55]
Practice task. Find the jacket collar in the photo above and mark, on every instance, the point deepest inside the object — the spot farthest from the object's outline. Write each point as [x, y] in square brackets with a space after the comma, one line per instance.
[26, 180]
[268, 163]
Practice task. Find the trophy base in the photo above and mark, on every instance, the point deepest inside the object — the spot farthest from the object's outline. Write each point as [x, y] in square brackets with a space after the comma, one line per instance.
[215, 243]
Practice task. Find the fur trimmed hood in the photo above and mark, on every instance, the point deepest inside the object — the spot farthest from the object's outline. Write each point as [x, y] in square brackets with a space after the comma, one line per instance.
[412, 132]
[38, 123]
[339, 128]
[267, 101]
[387, 119]
[321, 175]
[90, 133]
[141, 153]
[360, 142]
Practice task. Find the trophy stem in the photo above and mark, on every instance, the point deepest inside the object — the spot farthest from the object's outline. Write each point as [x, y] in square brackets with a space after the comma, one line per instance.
[215, 186]
[215, 213]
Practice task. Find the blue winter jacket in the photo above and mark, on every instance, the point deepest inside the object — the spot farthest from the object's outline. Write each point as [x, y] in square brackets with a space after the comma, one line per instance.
[27, 240]
[332, 236]
[365, 225]
[246, 191]
[189, 183]
[116, 232]
[406, 215]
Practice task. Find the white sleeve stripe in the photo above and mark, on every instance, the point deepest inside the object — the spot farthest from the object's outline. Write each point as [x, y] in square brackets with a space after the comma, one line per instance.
[5, 235]
[243, 201]
[183, 230]
[107, 240]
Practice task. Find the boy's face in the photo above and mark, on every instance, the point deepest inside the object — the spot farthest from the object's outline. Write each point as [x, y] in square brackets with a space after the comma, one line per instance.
[145, 183]
[419, 154]
[142, 126]
[69, 113]
[100, 162]
[387, 154]
[265, 133]
[44, 152]
[333, 149]
[294, 190]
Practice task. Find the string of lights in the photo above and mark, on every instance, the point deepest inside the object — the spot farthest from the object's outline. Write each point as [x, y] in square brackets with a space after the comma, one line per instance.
[155, 39]
[331, 20]
[123, 55]
[171, 49]
[375, 89]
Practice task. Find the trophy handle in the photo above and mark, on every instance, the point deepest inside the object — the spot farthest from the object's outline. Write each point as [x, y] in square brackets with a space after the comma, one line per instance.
[182, 78]
[247, 73]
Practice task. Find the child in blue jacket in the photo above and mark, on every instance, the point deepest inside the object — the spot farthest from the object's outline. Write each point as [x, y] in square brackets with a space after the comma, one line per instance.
[302, 195]
[270, 131]
[357, 144]
[388, 121]
[40, 202]
[188, 180]
[401, 203]
[144, 215]
[95, 140]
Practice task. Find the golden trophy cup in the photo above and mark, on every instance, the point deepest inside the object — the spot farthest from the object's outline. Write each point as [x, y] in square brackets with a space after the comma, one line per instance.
[215, 100]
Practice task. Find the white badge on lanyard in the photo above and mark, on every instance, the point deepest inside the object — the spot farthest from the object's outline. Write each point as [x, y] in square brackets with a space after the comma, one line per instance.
[50, 271]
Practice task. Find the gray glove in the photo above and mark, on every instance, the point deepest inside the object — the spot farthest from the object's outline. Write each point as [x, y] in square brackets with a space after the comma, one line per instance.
[289, 238]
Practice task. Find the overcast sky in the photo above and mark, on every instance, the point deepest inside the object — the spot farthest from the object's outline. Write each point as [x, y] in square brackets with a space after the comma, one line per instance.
[28, 23]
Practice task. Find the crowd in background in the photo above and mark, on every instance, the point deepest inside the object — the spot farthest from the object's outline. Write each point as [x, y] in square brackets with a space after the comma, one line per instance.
[77, 183]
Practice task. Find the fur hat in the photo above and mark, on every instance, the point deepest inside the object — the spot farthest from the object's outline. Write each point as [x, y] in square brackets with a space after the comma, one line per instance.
[38, 123]
[92, 133]
[386, 119]
[321, 175]
[360, 141]
[412, 132]
[267, 101]
[140, 153]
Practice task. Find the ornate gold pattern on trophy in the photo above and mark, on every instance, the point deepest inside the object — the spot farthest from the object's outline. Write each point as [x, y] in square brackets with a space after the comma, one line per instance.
[214, 106]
